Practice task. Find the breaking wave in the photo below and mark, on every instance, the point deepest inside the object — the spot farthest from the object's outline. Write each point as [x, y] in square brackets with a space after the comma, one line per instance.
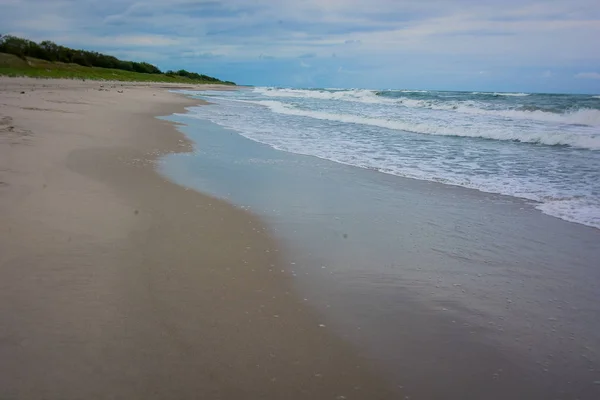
[586, 141]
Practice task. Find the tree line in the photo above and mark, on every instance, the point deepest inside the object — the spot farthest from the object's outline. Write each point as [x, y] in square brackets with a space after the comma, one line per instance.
[53, 52]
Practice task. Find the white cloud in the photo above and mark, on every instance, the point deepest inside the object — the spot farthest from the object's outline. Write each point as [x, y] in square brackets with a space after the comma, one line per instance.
[461, 35]
[588, 75]
[135, 40]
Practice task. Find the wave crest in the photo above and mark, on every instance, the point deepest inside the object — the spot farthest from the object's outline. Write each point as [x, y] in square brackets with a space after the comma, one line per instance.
[585, 141]
[355, 95]
[511, 94]
[581, 116]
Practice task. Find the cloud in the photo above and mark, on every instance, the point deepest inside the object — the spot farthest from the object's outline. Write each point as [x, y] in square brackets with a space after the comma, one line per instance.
[304, 65]
[588, 75]
[147, 40]
[547, 74]
[445, 39]
[200, 55]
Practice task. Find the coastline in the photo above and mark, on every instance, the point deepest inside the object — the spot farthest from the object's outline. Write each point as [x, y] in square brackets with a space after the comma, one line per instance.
[438, 283]
[115, 282]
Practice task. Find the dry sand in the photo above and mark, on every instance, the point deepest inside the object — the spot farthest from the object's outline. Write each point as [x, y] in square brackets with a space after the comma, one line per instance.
[115, 283]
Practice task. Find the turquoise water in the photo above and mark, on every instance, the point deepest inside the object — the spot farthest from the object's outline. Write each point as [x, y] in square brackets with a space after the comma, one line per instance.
[544, 148]
[446, 288]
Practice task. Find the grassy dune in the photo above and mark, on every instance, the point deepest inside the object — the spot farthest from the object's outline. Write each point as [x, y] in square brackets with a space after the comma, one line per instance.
[11, 65]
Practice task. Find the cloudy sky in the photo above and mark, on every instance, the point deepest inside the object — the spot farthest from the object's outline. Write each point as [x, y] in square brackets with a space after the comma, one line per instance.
[510, 45]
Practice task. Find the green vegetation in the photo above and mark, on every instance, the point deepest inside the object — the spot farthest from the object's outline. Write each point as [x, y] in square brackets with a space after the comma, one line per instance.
[22, 57]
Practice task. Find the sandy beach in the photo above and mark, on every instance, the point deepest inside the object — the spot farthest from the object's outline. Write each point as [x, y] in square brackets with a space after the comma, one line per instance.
[116, 283]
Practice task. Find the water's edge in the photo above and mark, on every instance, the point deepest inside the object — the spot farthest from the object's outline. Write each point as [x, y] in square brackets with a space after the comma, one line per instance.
[558, 180]
[373, 251]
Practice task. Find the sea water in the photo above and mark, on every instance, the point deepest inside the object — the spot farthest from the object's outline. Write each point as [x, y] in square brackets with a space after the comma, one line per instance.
[540, 147]
[457, 293]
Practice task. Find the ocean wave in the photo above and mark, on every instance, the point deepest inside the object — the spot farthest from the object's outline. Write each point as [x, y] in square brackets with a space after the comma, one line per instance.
[582, 116]
[352, 95]
[409, 91]
[580, 140]
[510, 94]
[355, 95]
[495, 94]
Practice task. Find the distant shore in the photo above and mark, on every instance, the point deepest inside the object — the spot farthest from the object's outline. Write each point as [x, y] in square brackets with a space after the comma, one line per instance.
[116, 283]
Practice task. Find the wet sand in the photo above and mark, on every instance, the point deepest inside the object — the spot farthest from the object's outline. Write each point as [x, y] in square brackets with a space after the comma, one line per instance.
[116, 283]
[458, 294]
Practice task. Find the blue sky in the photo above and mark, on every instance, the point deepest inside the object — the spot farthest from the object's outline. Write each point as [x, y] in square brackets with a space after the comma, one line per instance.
[508, 45]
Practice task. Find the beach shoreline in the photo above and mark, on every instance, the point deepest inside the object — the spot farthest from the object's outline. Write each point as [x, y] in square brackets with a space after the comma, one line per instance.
[439, 283]
[115, 282]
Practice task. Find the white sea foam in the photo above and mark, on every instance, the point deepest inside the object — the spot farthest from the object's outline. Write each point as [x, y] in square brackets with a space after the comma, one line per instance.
[584, 116]
[502, 94]
[511, 94]
[357, 95]
[591, 141]
[581, 211]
